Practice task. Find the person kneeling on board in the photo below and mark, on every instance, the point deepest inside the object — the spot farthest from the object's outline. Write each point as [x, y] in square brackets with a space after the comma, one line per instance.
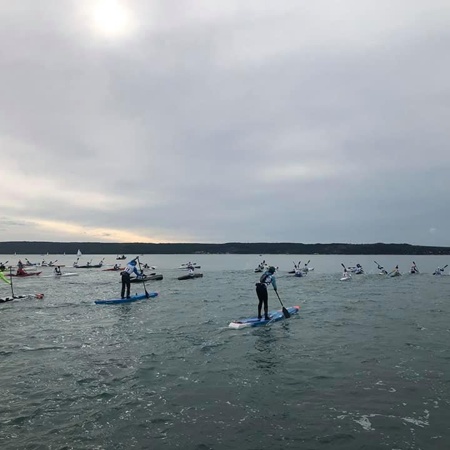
[129, 269]
[267, 279]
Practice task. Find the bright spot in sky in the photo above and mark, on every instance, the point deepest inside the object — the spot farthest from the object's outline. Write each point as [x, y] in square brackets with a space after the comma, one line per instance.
[112, 18]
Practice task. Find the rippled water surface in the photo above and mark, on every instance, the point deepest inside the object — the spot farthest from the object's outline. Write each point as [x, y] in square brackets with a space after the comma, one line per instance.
[365, 365]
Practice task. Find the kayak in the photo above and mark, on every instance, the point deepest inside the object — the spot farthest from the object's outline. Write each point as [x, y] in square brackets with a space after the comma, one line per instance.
[27, 274]
[298, 274]
[190, 276]
[64, 274]
[275, 316]
[93, 266]
[182, 267]
[112, 269]
[133, 298]
[152, 277]
[309, 269]
[18, 297]
[395, 274]
[346, 278]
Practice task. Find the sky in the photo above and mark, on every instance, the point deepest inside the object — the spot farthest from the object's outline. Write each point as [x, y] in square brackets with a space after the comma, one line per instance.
[225, 121]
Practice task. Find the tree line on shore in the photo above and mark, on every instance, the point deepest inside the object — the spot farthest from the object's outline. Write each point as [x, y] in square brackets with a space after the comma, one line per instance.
[274, 248]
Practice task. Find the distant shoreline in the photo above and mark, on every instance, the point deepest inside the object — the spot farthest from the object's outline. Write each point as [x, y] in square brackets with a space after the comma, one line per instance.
[274, 248]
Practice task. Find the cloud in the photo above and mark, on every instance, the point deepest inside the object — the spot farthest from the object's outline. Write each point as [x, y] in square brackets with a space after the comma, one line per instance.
[205, 122]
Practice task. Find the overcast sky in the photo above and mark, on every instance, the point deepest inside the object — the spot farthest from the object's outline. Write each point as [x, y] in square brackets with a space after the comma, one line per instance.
[218, 121]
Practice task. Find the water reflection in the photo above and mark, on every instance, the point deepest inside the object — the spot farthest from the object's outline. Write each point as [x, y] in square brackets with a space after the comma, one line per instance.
[269, 351]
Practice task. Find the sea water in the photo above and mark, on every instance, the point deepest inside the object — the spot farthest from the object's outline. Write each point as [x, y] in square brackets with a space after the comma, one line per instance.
[365, 364]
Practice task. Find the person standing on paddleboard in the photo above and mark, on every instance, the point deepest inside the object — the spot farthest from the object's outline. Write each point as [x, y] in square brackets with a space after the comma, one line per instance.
[129, 269]
[267, 279]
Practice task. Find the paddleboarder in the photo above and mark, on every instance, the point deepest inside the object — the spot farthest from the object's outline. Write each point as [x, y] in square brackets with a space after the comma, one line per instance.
[267, 279]
[129, 269]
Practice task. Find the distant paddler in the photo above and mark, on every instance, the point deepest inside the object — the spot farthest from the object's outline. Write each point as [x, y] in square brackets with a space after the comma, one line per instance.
[440, 271]
[395, 272]
[305, 268]
[414, 268]
[20, 271]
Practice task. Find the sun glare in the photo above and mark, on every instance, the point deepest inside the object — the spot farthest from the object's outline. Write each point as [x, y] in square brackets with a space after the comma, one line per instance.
[112, 18]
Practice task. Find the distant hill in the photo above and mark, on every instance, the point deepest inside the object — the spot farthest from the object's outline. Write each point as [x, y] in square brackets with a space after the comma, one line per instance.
[287, 248]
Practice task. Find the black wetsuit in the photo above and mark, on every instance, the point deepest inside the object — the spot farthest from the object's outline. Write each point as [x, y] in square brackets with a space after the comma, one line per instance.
[266, 279]
[125, 284]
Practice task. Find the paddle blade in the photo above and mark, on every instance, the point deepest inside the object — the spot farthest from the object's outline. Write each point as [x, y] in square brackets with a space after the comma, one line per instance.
[286, 313]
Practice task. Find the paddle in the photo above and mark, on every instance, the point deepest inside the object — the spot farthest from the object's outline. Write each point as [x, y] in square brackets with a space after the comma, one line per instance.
[380, 267]
[444, 267]
[415, 267]
[285, 311]
[11, 278]
[143, 278]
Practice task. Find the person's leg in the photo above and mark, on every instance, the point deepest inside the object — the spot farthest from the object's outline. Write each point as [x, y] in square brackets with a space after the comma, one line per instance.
[259, 301]
[122, 292]
[261, 292]
[128, 287]
[266, 307]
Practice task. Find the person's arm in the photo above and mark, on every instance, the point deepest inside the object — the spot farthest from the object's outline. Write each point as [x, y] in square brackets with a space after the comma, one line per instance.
[274, 283]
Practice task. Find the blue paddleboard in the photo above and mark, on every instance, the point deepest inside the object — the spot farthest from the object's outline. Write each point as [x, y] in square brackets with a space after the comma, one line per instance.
[133, 298]
[275, 316]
